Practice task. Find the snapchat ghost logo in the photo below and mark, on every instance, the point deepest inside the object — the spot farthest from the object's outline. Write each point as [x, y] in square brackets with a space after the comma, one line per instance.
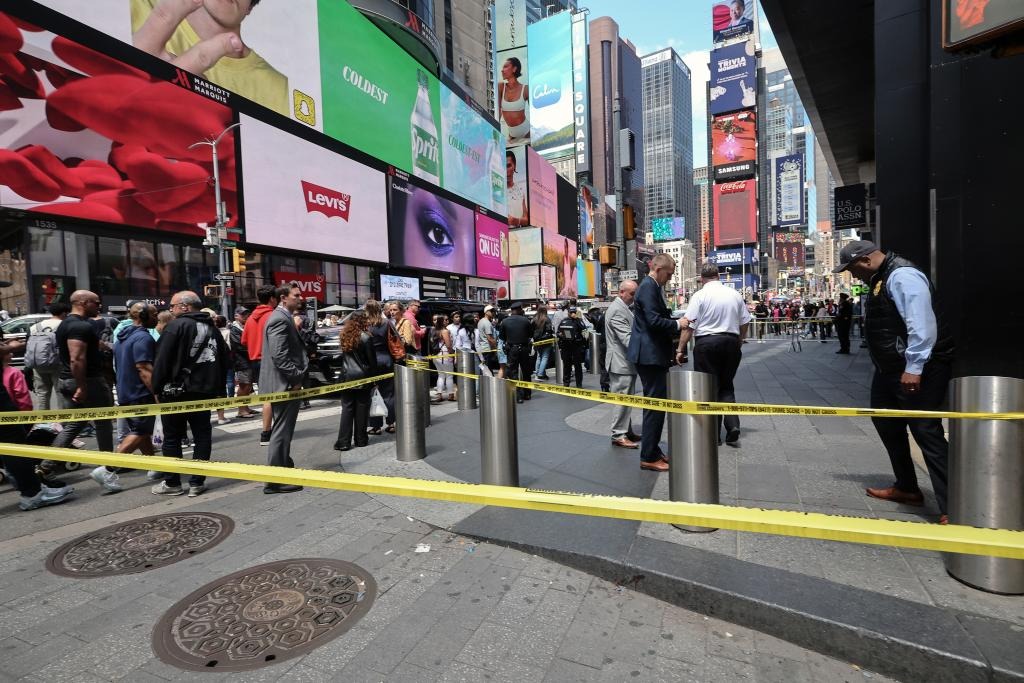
[304, 107]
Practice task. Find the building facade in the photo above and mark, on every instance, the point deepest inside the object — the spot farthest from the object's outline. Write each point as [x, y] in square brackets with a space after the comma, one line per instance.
[702, 211]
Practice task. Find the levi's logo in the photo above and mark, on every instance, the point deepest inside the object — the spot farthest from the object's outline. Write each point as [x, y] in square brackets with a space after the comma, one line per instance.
[325, 200]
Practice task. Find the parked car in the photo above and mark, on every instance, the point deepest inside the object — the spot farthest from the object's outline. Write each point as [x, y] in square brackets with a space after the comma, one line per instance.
[17, 328]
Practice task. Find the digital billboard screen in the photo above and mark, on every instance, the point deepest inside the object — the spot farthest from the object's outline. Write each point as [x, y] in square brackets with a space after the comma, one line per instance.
[509, 24]
[517, 191]
[473, 159]
[732, 19]
[302, 196]
[789, 190]
[531, 282]
[588, 278]
[734, 145]
[735, 206]
[512, 92]
[543, 193]
[969, 22]
[668, 228]
[581, 92]
[401, 287]
[789, 253]
[560, 252]
[492, 248]
[86, 136]
[428, 231]
[551, 85]
[733, 78]
[526, 246]
[586, 200]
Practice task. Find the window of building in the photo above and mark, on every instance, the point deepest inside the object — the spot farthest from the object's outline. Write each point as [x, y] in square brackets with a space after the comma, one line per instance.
[111, 267]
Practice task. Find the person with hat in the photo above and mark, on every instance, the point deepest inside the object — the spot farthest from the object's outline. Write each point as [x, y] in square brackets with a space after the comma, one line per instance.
[517, 331]
[571, 344]
[844, 319]
[912, 352]
[486, 340]
[240, 358]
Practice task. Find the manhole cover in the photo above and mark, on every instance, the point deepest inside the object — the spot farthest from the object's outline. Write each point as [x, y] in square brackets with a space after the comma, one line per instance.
[139, 545]
[264, 615]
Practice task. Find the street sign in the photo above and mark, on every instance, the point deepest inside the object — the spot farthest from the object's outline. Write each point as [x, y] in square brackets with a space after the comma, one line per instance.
[224, 277]
[628, 275]
[229, 243]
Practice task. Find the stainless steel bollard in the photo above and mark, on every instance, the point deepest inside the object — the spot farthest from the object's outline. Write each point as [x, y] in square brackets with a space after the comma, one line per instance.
[595, 353]
[427, 386]
[466, 363]
[411, 438]
[986, 477]
[499, 443]
[559, 366]
[693, 443]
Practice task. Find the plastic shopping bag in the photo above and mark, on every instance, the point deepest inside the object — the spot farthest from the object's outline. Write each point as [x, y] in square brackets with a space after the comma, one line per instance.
[377, 406]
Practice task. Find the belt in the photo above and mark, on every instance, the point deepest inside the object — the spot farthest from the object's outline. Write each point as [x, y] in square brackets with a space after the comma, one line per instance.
[719, 334]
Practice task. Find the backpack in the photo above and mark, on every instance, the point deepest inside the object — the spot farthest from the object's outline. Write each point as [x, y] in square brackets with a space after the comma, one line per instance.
[568, 331]
[41, 349]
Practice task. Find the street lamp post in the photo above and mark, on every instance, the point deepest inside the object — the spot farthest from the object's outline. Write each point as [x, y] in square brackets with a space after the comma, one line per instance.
[214, 238]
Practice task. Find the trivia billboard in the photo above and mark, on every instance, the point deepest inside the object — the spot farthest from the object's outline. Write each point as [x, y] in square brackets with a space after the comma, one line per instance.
[733, 78]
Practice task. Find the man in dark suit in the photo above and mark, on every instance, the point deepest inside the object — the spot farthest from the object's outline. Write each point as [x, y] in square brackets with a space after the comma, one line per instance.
[650, 350]
[284, 368]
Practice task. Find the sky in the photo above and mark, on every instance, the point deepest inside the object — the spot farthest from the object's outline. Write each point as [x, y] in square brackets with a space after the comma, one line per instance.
[685, 25]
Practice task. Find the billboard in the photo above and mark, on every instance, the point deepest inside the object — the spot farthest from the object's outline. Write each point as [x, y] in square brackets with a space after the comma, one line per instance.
[512, 92]
[399, 287]
[510, 24]
[588, 278]
[733, 257]
[734, 145]
[789, 252]
[560, 252]
[587, 198]
[517, 192]
[429, 232]
[314, 286]
[87, 136]
[303, 196]
[543, 191]
[789, 190]
[492, 249]
[581, 92]
[668, 228]
[970, 23]
[526, 246]
[731, 19]
[552, 124]
[733, 78]
[473, 159]
[850, 203]
[531, 282]
[735, 207]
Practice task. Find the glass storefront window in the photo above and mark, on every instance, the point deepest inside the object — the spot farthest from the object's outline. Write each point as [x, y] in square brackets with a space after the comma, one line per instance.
[112, 267]
[46, 251]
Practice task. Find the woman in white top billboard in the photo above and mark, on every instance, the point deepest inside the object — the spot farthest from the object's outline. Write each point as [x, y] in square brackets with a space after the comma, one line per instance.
[514, 96]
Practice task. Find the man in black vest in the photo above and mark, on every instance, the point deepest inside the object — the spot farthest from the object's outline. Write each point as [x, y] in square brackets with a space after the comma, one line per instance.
[517, 331]
[912, 352]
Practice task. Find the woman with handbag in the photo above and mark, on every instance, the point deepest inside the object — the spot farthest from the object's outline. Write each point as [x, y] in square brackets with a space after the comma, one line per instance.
[389, 349]
[445, 365]
[359, 360]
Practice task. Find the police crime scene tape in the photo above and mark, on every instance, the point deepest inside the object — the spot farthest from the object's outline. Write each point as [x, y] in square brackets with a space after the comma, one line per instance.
[920, 535]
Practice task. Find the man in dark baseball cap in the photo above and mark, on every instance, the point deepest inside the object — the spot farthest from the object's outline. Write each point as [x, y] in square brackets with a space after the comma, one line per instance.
[853, 251]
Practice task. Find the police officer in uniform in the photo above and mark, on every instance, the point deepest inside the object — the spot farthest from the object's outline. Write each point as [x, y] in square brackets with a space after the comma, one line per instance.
[571, 343]
[912, 352]
[517, 333]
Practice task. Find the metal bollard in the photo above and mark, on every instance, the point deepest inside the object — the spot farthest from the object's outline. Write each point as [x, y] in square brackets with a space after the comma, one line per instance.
[693, 443]
[410, 437]
[466, 363]
[986, 477]
[559, 366]
[595, 353]
[499, 443]
[427, 386]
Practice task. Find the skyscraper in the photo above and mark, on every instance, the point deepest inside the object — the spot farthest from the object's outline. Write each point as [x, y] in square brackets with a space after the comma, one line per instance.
[668, 140]
[702, 210]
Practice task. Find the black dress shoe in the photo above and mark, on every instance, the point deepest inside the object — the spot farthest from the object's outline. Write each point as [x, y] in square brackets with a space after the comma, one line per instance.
[732, 438]
[338, 446]
[281, 488]
[633, 437]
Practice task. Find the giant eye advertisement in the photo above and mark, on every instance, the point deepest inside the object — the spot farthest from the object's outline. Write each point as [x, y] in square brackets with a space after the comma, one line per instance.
[428, 231]
[302, 196]
[551, 88]
[87, 136]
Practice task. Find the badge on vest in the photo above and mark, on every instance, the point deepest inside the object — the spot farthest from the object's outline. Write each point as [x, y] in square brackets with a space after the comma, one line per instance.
[878, 288]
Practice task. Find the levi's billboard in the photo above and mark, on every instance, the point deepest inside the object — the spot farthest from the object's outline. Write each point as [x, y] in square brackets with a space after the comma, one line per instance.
[302, 196]
[735, 206]
[310, 285]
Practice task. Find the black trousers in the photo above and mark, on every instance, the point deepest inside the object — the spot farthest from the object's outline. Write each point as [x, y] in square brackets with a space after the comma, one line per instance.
[843, 333]
[572, 362]
[654, 379]
[355, 416]
[719, 355]
[928, 433]
[519, 366]
[174, 432]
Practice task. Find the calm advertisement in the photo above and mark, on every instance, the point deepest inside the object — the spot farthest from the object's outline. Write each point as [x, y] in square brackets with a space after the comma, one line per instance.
[734, 145]
[588, 278]
[492, 248]
[86, 136]
[560, 252]
[733, 78]
[302, 196]
[552, 125]
[732, 19]
[789, 190]
[735, 206]
[473, 158]
[543, 198]
[516, 187]
[429, 232]
[513, 95]
[526, 246]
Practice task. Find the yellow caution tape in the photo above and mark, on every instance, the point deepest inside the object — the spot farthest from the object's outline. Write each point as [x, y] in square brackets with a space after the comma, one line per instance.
[951, 538]
[80, 414]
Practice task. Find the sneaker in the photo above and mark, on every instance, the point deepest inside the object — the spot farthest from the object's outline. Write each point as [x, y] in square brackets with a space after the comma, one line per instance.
[46, 496]
[196, 490]
[78, 443]
[162, 489]
[153, 475]
[264, 438]
[107, 479]
[223, 421]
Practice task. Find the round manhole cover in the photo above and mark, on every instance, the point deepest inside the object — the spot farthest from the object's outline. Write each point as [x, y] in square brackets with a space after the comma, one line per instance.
[264, 615]
[139, 545]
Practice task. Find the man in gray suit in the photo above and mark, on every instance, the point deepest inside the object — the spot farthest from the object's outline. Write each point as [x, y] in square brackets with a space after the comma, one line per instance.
[618, 323]
[284, 368]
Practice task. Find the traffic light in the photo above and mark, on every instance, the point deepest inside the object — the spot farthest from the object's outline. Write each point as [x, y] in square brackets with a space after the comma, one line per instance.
[628, 223]
[212, 291]
[236, 259]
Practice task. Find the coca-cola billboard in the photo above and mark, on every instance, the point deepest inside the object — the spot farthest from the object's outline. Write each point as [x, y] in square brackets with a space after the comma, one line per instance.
[310, 285]
[735, 206]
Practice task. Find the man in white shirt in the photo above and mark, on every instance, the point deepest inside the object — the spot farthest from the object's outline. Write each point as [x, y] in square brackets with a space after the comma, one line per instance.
[486, 341]
[719, 319]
